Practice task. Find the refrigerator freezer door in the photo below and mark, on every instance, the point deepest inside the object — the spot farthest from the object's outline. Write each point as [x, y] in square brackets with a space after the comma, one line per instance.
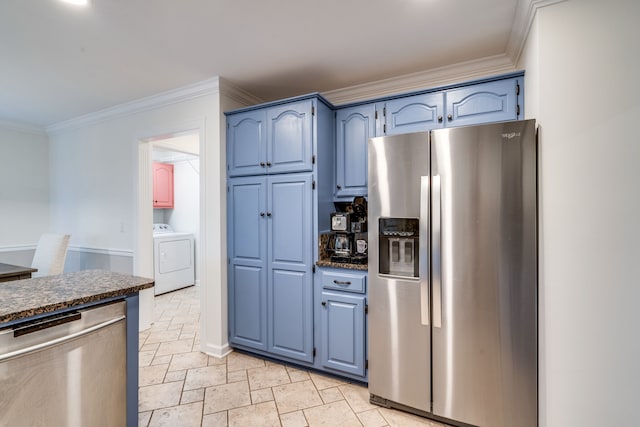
[485, 352]
[399, 337]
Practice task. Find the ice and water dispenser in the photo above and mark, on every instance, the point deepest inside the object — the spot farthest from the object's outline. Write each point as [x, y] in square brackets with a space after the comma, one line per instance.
[399, 246]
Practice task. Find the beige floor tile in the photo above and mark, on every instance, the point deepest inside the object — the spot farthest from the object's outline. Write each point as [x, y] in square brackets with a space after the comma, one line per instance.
[323, 381]
[150, 347]
[217, 361]
[293, 419]
[332, 415]
[235, 376]
[226, 396]
[259, 396]
[205, 377]
[149, 375]
[372, 418]
[357, 396]
[162, 336]
[195, 359]
[269, 376]
[402, 419]
[144, 418]
[238, 361]
[219, 419]
[159, 396]
[262, 414]
[296, 396]
[189, 415]
[161, 360]
[175, 376]
[145, 357]
[332, 394]
[297, 374]
[175, 347]
[190, 396]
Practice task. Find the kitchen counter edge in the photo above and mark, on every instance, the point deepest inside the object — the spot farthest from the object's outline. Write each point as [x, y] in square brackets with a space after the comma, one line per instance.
[331, 264]
[21, 299]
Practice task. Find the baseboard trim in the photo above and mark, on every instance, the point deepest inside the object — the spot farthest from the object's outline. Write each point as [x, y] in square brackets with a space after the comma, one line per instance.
[216, 350]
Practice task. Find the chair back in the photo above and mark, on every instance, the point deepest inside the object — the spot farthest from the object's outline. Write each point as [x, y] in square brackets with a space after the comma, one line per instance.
[50, 255]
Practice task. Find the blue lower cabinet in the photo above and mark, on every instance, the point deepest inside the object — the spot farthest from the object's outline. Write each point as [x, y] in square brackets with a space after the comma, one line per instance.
[343, 332]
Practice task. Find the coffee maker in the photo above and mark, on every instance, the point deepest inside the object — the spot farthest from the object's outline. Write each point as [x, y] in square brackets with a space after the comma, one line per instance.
[348, 239]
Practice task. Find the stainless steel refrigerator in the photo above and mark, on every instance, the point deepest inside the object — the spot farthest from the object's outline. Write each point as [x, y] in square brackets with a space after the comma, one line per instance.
[453, 274]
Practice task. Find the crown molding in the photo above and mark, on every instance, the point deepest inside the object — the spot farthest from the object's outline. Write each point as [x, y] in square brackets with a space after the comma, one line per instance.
[238, 94]
[22, 127]
[523, 19]
[440, 76]
[162, 99]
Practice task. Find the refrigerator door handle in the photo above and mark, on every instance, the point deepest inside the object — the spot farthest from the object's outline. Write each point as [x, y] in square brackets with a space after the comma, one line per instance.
[424, 250]
[436, 252]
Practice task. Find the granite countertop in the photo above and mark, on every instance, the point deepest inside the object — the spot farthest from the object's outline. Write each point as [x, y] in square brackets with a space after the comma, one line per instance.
[329, 263]
[29, 297]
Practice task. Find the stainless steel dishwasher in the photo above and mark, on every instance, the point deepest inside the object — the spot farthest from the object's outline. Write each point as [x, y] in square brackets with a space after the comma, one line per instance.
[65, 370]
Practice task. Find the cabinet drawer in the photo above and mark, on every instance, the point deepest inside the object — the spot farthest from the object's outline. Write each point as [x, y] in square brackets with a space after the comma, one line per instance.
[343, 281]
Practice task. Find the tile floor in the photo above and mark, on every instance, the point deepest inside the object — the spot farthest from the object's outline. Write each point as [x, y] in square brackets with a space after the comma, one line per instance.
[179, 386]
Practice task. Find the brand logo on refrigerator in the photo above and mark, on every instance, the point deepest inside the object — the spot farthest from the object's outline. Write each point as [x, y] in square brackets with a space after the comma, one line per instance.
[510, 135]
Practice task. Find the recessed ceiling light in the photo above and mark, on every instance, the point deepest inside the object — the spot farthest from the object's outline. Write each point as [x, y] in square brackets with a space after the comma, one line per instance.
[77, 2]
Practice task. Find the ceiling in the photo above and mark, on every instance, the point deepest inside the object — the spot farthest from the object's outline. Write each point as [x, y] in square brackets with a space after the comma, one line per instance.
[60, 61]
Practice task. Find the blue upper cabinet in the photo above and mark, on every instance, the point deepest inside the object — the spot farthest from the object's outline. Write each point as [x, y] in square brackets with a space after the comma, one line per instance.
[413, 114]
[246, 143]
[270, 140]
[354, 127]
[289, 141]
[483, 103]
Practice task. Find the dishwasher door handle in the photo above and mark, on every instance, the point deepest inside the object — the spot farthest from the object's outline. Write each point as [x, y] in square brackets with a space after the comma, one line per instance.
[60, 340]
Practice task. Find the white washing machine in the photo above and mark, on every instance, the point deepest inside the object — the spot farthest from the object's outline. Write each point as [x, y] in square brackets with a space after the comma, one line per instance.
[173, 259]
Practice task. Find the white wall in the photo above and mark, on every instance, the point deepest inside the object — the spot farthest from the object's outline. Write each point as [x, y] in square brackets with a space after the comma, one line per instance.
[24, 187]
[582, 67]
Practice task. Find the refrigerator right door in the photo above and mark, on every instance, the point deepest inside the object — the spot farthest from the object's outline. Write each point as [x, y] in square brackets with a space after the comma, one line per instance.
[484, 274]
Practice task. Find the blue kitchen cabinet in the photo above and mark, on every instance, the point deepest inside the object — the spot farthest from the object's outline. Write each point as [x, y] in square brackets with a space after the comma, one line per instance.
[247, 250]
[343, 328]
[354, 127]
[270, 262]
[412, 114]
[290, 137]
[290, 263]
[271, 140]
[483, 103]
[247, 143]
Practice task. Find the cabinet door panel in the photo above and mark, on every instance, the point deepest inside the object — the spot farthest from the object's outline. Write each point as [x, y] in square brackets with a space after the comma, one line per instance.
[290, 261]
[290, 308]
[482, 103]
[355, 125]
[247, 250]
[290, 133]
[414, 113]
[343, 335]
[162, 185]
[290, 207]
[248, 302]
[246, 143]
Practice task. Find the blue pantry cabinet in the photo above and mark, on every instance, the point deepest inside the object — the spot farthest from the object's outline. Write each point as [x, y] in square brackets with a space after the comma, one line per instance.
[278, 195]
[474, 103]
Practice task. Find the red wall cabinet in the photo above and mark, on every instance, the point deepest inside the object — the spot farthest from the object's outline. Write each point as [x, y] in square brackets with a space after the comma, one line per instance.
[162, 185]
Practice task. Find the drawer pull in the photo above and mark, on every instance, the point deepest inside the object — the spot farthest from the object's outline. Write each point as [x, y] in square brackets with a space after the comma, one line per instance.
[340, 282]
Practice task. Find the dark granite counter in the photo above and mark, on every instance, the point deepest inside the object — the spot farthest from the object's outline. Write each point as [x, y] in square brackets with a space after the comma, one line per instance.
[331, 264]
[25, 298]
